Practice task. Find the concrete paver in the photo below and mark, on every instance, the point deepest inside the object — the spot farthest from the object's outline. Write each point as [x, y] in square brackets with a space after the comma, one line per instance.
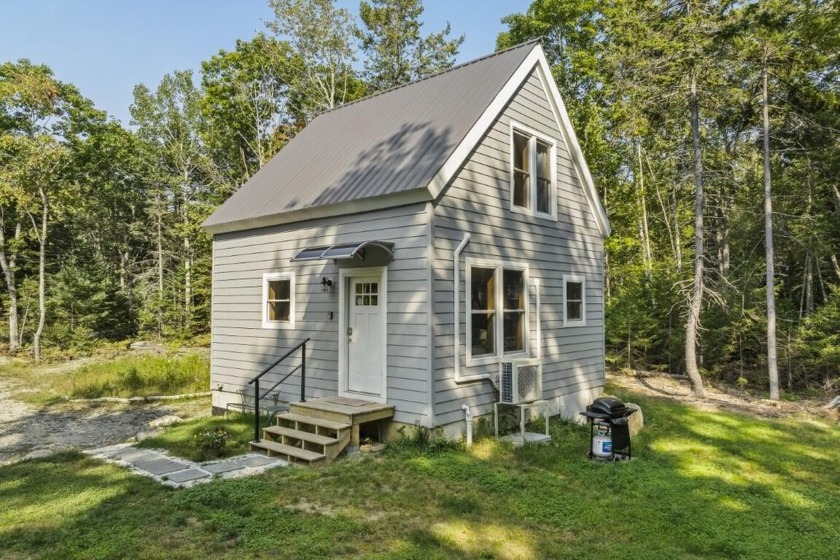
[182, 473]
[254, 460]
[188, 475]
[160, 466]
[222, 467]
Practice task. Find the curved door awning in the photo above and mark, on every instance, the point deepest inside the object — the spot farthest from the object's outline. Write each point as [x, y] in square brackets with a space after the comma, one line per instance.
[343, 251]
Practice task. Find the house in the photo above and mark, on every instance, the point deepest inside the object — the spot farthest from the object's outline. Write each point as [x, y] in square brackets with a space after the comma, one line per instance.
[419, 237]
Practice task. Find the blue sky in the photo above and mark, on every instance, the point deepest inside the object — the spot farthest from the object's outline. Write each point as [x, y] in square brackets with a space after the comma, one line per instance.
[105, 47]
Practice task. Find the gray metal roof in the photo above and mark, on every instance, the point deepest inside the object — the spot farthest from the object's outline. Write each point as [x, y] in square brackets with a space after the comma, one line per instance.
[388, 143]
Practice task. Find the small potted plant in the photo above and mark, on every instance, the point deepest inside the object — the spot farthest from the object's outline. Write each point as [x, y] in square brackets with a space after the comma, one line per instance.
[211, 441]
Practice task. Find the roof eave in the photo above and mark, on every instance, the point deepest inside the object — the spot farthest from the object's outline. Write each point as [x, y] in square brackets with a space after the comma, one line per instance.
[402, 198]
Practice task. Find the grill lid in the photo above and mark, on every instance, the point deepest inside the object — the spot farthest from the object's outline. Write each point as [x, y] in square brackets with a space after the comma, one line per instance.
[608, 406]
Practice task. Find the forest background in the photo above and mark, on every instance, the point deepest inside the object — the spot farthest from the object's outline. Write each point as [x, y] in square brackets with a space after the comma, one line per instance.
[712, 129]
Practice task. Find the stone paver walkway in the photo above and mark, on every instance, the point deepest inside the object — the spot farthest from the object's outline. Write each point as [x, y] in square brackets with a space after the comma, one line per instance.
[180, 473]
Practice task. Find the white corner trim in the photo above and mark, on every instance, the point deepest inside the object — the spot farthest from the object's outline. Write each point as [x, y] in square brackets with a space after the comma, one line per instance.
[266, 324]
[538, 341]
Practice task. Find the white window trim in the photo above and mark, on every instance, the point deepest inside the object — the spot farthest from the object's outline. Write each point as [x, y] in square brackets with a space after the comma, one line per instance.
[485, 359]
[532, 153]
[582, 321]
[266, 324]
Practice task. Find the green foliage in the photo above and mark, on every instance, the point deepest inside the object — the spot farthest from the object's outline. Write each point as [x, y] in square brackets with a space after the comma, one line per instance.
[180, 439]
[396, 52]
[423, 440]
[624, 71]
[143, 375]
[211, 438]
[695, 476]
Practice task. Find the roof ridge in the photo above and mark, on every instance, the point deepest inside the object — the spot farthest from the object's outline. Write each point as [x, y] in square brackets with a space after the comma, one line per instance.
[424, 78]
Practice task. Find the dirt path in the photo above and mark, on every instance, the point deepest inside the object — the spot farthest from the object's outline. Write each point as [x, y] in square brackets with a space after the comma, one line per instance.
[660, 385]
[29, 432]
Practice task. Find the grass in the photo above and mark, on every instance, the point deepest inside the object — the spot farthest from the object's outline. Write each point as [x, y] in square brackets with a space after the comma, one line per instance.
[703, 485]
[142, 375]
[127, 375]
[178, 439]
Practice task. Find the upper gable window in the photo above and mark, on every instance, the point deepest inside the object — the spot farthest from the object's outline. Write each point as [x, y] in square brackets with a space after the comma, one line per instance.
[533, 173]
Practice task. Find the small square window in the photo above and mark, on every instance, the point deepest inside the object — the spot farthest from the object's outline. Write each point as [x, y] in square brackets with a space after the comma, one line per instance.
[278, 300]
[574, 297]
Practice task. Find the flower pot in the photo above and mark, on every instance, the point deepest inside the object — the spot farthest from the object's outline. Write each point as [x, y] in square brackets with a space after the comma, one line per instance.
[210, 452]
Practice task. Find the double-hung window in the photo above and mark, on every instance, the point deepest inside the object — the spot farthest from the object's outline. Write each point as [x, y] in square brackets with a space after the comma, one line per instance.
[533, 173]
[574, 301]
[497, 318]
[278, 300]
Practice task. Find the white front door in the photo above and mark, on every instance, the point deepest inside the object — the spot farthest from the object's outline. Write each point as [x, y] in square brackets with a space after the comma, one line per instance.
[365, 336]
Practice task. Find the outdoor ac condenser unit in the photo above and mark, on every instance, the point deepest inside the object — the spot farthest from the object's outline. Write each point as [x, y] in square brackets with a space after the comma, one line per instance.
[520, 381]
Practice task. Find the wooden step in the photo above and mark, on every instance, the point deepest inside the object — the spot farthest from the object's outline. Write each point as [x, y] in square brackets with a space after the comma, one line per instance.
[298, 434]
[329, 424]
[272, 447]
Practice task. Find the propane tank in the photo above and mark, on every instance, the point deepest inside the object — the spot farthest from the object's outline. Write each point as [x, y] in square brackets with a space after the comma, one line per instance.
[602, 445]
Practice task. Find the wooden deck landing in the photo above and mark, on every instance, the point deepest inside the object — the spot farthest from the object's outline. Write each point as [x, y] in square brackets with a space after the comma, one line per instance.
[320, 429]
[354, 412]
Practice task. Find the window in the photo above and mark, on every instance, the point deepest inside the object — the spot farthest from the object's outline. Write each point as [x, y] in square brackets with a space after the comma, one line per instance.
[533, 180]
[278, 300]
[497, 320]
[574, 297]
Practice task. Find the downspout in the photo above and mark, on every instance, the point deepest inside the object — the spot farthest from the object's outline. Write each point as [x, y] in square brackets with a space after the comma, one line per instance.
[539, 328]
[456, 257]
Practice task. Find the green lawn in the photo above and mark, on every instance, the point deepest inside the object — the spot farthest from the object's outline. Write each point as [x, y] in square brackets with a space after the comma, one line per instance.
[704, 485]
[126, 375]
[178, 439]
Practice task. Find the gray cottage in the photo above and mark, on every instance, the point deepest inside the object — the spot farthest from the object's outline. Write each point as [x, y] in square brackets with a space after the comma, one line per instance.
[422, 239]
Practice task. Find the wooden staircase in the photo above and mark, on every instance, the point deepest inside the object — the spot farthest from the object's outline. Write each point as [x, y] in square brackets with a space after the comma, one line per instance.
[319, 430]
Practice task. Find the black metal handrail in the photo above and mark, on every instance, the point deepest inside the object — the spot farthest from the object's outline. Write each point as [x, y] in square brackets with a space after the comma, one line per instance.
[256, 382]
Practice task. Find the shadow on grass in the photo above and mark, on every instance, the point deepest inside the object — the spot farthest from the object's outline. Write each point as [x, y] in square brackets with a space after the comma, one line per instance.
[702, 485]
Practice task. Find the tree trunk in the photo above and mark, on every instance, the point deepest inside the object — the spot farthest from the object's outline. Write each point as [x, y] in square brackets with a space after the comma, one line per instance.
[772, 361]
[42, 277]
[160, 263]
[696, 300]
[835, 266]
[645, 230]
[7, 263]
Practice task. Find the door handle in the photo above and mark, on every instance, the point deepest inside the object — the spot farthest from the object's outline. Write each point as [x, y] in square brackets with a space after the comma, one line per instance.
[349, 331]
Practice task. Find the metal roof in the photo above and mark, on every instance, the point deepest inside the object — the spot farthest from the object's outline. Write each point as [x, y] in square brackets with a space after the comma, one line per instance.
[342, 251]
[389, 143]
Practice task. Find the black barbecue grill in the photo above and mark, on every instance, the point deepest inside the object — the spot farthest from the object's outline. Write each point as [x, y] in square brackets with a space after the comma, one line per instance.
[611, 416]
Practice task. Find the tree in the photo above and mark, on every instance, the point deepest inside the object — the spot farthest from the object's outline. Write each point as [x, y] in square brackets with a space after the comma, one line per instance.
[322, 37]
[42, 118]
[245, 101]
[396, 53]
[170, 126]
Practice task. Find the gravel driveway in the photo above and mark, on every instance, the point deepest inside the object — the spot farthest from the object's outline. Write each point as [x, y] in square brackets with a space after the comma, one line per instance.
[28, 432]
